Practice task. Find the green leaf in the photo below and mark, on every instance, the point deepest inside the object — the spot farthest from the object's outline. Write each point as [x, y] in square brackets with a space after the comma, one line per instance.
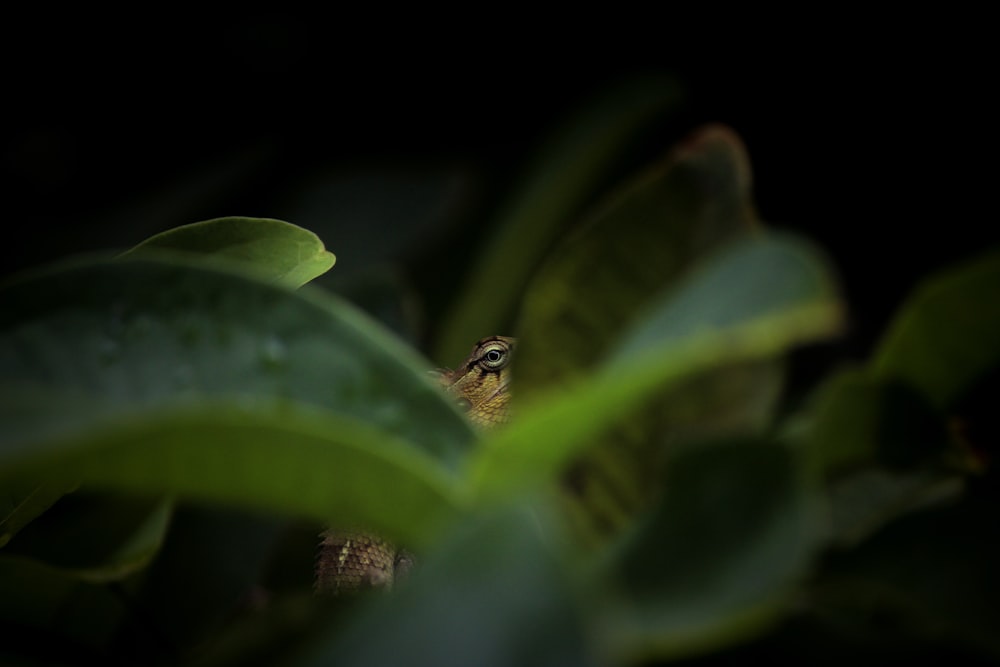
[879, 445]
[222, 388]
[864, 502]
[860, 419]
[640, 241]
[753, 278]
[278, 251]
[98, 341]
[277, 457]
[491, 593]
[754, 301]
[717, 559]
[945, 337]
[97, 539]
[560, 182]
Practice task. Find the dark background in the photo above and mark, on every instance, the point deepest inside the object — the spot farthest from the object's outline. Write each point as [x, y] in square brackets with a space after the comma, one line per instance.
[869, 136]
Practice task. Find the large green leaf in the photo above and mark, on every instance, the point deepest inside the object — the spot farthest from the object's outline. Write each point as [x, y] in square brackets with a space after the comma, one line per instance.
[753, 301]
[221, 387]
[871, 439]
[113, 339]
[864, 502]
[279, 251]
[561, 180]
[640, 241]
[716, 560]
[945, 337]
[599, 280]
[276, 250]
[265, 455]
[840, 430]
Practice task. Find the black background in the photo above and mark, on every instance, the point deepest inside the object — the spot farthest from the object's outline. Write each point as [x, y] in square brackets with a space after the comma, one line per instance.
[870, 136]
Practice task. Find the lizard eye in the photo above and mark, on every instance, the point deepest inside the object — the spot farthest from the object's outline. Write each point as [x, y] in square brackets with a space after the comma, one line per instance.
[494, 357]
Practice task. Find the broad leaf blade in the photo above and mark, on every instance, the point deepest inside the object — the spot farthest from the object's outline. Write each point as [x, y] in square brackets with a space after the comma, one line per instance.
[945, 337]
[866, 501]
[600, 280]
[110, 336]
[859, 418]
[262, 455]
[552, 429]
[640, 241]
[759, 276]
[279, 251]
[716, 561]
[870, 439]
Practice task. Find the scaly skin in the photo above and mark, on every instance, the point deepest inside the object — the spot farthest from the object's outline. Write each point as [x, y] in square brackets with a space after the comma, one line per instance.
[481, 384]
[350, 561]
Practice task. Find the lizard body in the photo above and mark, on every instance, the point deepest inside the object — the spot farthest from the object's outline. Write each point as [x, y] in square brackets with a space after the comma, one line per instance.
[350, 560]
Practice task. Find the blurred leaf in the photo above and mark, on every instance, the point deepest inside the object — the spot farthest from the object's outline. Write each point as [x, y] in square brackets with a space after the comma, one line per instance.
[96, 538]
[841, 427]
[859, 419]
[560, 181]
[259, 455]
[754, 301]
[24, 501]
[865, 501]
[640, 241]
[716, 561]
[945, 337]
[280, 252]
[867, 437]
[490, 594]
[756, 277]
[109, 342]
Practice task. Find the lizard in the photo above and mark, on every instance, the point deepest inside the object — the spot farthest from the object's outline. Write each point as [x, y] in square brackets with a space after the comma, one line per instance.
[350, 561]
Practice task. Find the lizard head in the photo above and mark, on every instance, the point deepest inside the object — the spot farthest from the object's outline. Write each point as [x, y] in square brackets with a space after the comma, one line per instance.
[480, 383]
